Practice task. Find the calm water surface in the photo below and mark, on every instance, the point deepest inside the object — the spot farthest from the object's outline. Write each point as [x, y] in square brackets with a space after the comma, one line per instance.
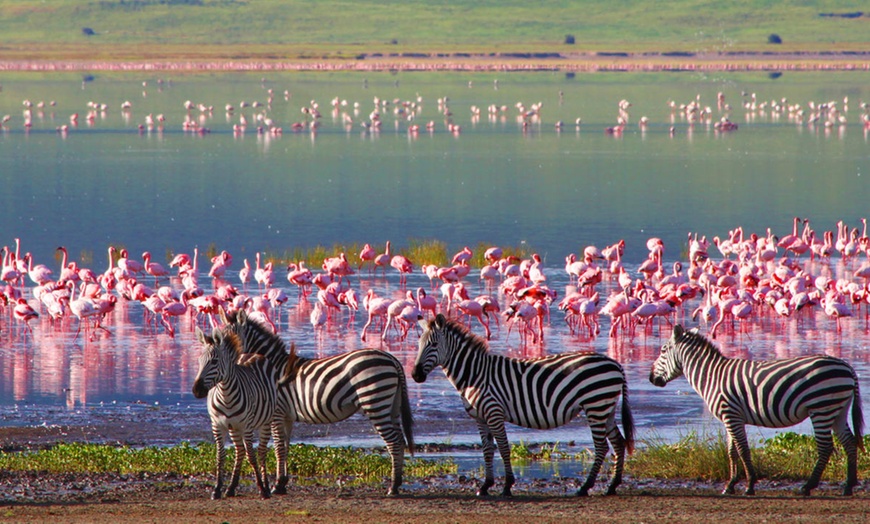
[169, 190]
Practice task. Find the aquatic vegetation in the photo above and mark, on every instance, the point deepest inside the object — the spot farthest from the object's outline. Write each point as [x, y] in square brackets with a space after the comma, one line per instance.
[304, 460]
[788, 456]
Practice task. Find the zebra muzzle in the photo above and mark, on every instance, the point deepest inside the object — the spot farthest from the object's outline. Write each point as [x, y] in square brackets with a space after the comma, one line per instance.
[199, 390]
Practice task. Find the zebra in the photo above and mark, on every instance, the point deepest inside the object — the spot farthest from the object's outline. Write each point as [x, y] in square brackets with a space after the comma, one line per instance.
[331, 389]
[773, 394]
[241, 401]
[539, 393]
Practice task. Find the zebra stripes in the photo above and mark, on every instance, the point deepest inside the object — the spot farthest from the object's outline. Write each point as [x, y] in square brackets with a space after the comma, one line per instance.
[539, 393]
[241, 401]
[776, 393]
[331, 389]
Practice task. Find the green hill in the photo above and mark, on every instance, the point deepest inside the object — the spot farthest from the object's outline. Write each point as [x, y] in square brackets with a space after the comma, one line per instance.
[335, 29]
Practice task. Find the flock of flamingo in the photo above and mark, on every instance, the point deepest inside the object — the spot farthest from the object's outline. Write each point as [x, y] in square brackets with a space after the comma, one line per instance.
[725, 283]
[826, 114]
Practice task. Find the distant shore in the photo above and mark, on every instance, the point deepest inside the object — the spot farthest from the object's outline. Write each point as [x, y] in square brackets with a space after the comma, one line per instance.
[493, 62]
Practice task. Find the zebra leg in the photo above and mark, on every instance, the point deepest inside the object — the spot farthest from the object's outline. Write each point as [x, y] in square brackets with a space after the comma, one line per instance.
[847, 439]
[396, 446]
[281, 436]
[504, 449]
[617, 442]
[219, 467]
[262, 451]
[600, 444]
[738, 435]
[824, 446]
[238, 439]
[733, 459]
[488, 454]
[252, 459]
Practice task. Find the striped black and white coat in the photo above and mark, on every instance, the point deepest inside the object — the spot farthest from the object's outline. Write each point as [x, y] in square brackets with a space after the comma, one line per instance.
[331, 389]
[540, 393]
[241, 402]
[773, 394]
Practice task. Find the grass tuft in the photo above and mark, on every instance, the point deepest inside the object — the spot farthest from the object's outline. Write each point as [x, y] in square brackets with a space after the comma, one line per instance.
[787, 456]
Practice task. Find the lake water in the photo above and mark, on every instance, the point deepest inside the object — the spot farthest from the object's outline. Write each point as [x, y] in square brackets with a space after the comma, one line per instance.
[167, 190]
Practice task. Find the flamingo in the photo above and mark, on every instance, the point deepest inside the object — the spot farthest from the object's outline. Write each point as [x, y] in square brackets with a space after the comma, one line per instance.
[473, 308]
[220, 263]
[462, 257]
[366, 254]
[376, 307]
[383, 259]
[153, 268]
[403, 266]
[24, 313]
[39, 274]
[245, 273]
[124, 262]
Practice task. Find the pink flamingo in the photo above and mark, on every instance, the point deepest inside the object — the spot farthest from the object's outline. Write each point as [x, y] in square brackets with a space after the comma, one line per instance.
[24, 313]
[39, 274]
[376, 307]
[493, 254]
[383, 259]
[403, 266]
[463, 256]
[245, 273]
[124, 262]
[394, 310]
[366, 254]
[154, 269]
[299, 275]
[473, 308]
[220, 263]
[426, 303]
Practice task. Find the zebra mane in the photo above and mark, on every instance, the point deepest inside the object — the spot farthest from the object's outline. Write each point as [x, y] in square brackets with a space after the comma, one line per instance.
[692, 339]
[473, 342]
[237, 321]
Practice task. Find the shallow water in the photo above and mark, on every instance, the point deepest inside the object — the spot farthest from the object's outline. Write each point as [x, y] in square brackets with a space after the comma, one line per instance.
[555, 191]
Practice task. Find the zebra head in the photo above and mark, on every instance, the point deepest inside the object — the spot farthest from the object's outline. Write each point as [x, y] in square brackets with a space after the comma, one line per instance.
[668, 366]
[429, 353]
[217, 354]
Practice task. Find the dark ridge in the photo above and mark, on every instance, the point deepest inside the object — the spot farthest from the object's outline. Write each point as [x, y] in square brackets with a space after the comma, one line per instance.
[853, 14]
[678, 53]
[615, 53]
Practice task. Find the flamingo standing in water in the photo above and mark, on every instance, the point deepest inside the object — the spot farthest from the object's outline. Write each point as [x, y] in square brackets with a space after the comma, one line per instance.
[383, 260]
[153, 268]
[376, 307]
[24, 313]
[366, 254]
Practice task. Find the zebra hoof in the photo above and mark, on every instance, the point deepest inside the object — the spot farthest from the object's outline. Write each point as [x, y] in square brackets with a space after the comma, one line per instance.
[750, 492]
[393, 492]
[216, 495]
[279, 490]
[506, 493]
[847, 491]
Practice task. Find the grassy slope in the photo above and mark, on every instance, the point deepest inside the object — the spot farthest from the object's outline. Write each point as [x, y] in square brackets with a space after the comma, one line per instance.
[336, 28]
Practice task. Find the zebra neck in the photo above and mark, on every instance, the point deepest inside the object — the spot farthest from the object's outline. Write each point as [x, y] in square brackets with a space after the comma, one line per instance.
[699, 362]
[466, 367]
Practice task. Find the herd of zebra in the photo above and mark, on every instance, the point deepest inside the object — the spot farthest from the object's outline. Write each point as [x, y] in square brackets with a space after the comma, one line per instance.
[255, 384]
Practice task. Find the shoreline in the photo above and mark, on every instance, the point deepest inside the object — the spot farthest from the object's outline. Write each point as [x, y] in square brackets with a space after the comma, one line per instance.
[466, 62]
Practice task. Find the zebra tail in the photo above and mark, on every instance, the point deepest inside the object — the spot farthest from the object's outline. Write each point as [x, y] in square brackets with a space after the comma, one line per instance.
[407, 417]
[627, 420]
[857, 416]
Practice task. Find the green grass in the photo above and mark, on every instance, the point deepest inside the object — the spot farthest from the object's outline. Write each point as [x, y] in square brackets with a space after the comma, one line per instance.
[278, 29]
[787, 456]
[304, 461]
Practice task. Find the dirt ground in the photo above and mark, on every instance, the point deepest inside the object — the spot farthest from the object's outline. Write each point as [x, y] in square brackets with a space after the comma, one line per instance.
[168, 498]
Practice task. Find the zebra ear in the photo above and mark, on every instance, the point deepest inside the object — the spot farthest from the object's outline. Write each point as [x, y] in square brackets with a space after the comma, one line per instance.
[678, 331]
[440, 320]
[217, 335]
[201, 337]
[241, 316]
[223, 316]
[423, 323]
